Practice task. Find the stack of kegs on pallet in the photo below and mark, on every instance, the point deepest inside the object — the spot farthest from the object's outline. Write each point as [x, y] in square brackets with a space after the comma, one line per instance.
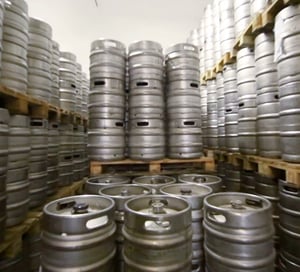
[79, 153]
[209, 44]
[67, 81]
[85, 94]
[146, 101]
[14, 45]
[217, 31]
[54, 99]
[183, 102]
[221, 111]
[242, 16]
[203, 109]
[78, 97]
[106, 135]
[39, 59]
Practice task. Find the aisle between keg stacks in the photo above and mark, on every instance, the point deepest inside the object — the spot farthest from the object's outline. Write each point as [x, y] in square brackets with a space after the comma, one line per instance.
[264, 166]
[13, 239]
[154, 167]
[20, 103]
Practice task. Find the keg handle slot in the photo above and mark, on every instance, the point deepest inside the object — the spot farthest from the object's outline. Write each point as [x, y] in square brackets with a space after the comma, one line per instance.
[65, 205]
[119, 124]
[276, 96]
[73, 86]
[36, 123]
[194, 85]
[241, 105]
[142, 84]
[99, 83]
[254, 202]
[188, 47]
[96, 222]
[54, 125]
[189, 123]
[288, 189]
[142, 124]
[159, 225]
[228, 110]
[216, 217]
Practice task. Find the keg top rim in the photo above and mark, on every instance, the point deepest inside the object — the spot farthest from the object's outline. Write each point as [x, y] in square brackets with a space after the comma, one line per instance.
[188, 190]
[115, 191]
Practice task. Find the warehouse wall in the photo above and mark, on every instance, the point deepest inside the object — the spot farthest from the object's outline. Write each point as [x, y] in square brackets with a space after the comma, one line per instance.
[78, 22]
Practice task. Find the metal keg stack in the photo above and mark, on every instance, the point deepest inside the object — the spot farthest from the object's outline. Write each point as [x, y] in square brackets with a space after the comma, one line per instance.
[242, 16]
[203, 109]
[248, 181]
[232, 181]
[85, 94]
[194, 194]
[82, 237]
[268, 125]
[79, 153]
[106, 134]
[246, 83]
[38, 161]
[120, 194]
[183, 102]
[221, 111]
[147, 139]
[54, 69]
[14, 45]
[209, 43]
[201, 48]
[212, 114]
[289, 222]
[4, 149]
[287, 56]
[258, 6]
[227, 25]
[154, 226]
[79, 97]
[67, 81]
[231, 108]
[238, 233]
[39, 60]
[1, 26]
[17, 183]
[65, 160]
[53, 157]
[217, 31]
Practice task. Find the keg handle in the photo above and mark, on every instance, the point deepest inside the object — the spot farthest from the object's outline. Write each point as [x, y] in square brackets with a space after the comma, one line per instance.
[216, 217]
[65, 205]
[188, 47]
[194, 85]
[142, 84]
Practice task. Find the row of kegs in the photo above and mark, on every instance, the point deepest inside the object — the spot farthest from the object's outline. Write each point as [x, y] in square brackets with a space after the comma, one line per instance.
[36, 157]
[32, 63]
[252, 107]
[160, 113]
[222, 23]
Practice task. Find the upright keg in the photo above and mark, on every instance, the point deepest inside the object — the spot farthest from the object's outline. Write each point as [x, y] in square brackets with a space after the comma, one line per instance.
[155, 182]
[232, 181]
[85, 91]
[289, 216]
[214, 182]
[258, 6]
[1, 24]
[54, 69]
[17, 184]
[94, 184]
[157, 234]
[4, 149]
[221, 111]
[194, 194]
[287, 57]
[231, 128]
[238, 233]
[39, 59]
[120, 194]
[230, 84]
[14, 45]
[208, 47]
[38, 162]
[248, 181]
[83, 238]
[78, 96]
[217, 32]
[78, 152]
[242, 16]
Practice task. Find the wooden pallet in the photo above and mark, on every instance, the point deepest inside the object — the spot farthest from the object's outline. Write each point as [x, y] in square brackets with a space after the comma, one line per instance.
[154, 167]
[210, 74]
[228, 58]
[265, 166]
[13, 239]
[20, 103]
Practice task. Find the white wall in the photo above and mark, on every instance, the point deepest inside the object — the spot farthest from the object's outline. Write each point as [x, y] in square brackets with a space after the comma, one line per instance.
[76, 23]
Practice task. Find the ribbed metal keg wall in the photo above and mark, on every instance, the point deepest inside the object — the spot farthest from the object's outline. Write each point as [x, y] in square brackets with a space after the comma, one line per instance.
[17, 183]
[258, 6]
[39, 59]
[217, 31]
[203, 110]
[287, 55]
[183, 102]
[79, 153]
[268, 126]
[231, 108]
[147, 139]
[242, 16]
[232, 181]
[226, 216]
[38, 161]
[54, 69]
[14, 45]
[78, 96]
[85, 94]
[212, 114]
[246, 84]
[106, 134]
[67, 81]
[221, 111]
[4, 149]
[1, 26]
[209, 44]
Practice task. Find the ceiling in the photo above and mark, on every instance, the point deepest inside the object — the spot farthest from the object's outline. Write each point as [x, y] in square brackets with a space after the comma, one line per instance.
[76, 23]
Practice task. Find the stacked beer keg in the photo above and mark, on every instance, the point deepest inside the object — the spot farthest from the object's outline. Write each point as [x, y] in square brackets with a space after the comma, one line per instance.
[183, 102]
[14, 45]
[85, 94]
[203, 109]
[67, 81]
[106, 135]
[242, 15]
[287, 58]
[39, 59]
[1, 25]
[146, 101]
[221, 111]
[217, 31]
[247, 101]
[209, 45]
[78, 96]
[54, 99]
[268, 126]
